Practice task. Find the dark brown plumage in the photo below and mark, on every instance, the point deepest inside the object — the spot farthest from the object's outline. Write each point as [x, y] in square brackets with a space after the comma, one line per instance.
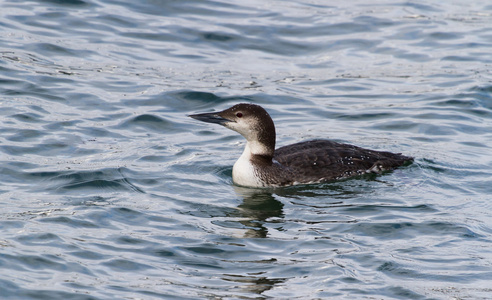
[324, 160]
[313, 161]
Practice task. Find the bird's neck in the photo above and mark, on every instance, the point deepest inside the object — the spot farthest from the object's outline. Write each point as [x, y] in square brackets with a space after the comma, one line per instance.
[257, 148]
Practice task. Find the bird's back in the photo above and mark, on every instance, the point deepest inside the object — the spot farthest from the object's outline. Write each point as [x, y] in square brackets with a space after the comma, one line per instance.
[324, 160]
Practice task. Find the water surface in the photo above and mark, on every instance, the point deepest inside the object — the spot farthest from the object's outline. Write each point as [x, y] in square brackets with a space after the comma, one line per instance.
[108, 190]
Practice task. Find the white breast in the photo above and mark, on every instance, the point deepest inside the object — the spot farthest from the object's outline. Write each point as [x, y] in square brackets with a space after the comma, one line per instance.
[243, 172]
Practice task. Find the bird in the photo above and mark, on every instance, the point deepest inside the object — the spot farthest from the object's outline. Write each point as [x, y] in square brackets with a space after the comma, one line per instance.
[308, 162]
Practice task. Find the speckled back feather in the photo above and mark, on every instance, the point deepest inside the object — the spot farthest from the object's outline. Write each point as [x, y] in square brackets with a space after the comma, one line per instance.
[324, 160]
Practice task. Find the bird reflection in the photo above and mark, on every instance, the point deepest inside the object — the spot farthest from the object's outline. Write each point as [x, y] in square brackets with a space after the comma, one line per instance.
[258, 206]
[254, 284]
[262, 207]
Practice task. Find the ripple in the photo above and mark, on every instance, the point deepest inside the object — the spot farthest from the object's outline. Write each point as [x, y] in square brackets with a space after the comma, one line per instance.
[152, 123]
[108, 189]
[70, 222]
[122, 265]
[25, 135]
[28, 117]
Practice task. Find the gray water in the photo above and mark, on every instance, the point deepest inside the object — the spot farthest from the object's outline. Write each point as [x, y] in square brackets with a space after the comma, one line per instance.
[109, 191]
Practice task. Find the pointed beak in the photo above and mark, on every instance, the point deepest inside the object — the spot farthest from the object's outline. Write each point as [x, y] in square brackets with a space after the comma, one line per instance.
[210, 118]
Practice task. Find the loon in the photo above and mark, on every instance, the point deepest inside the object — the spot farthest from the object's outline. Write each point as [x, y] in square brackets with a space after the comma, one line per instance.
[315, 161]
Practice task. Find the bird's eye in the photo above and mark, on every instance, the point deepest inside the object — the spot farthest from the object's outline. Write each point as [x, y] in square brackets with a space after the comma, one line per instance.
[239, 115]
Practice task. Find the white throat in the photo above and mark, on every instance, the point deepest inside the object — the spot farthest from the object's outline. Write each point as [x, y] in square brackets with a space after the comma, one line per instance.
[244, 172]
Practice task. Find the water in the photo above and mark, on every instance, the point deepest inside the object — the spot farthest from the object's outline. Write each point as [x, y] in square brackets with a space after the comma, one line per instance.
[108, 190]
